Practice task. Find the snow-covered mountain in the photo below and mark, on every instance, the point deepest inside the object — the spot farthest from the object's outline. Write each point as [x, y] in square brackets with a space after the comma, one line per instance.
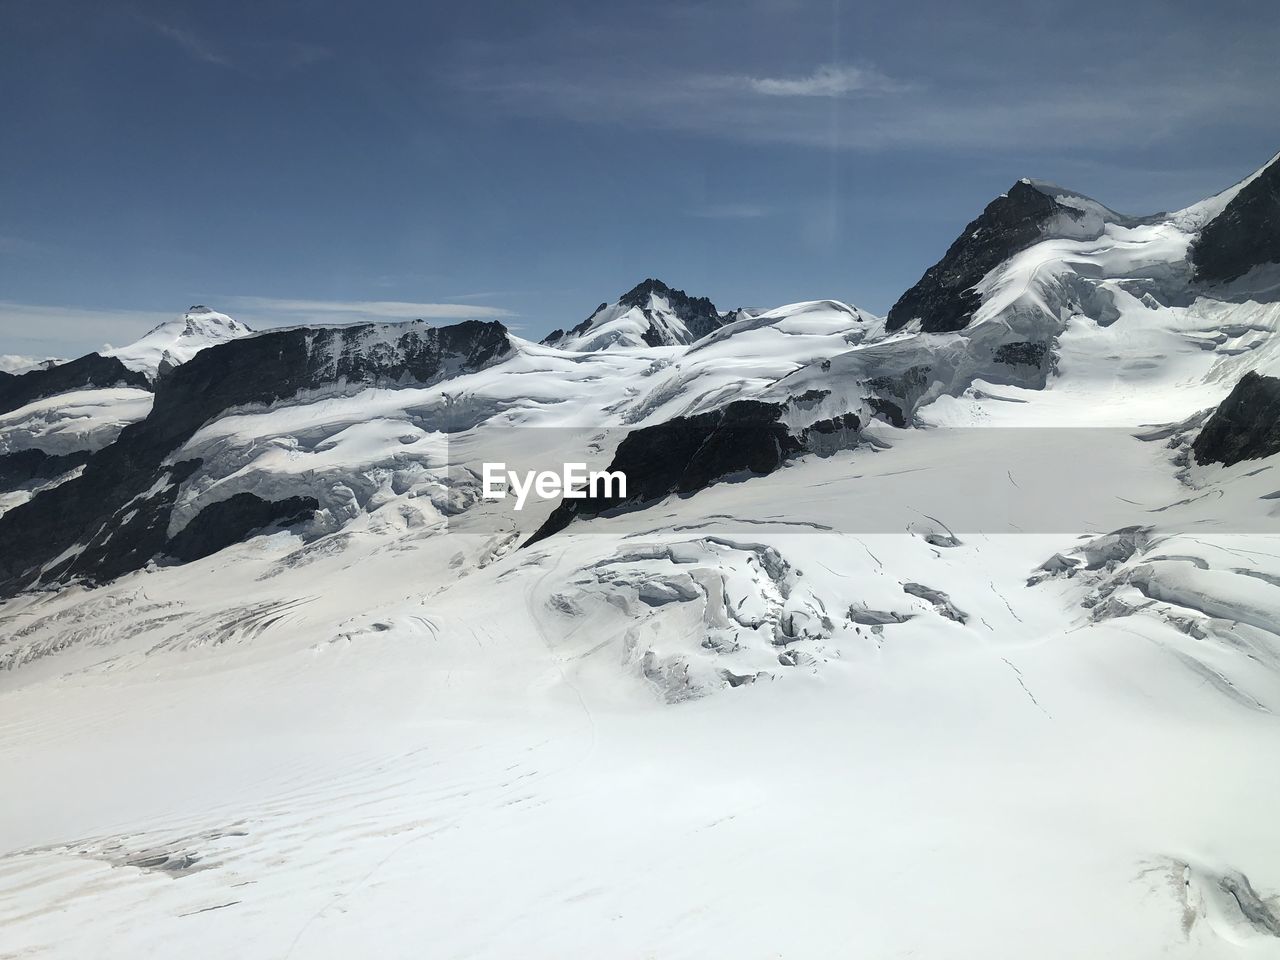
[971, 609]
[650, 314]
[55, 415]
[175, 342]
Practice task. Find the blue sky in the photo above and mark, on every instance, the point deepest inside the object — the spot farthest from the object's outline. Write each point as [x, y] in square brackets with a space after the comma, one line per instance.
[290, 161]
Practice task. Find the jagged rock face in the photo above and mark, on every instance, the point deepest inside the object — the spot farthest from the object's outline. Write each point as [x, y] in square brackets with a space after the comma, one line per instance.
[944, 300]
[25, 466]
[666, 317]
[687, 454]
[1027, 353]
[1244, 235]
[698, 313]
[892, 396]
[278, 364]
[1246, 425]
[114, 517]
[229, 521]
[88, 372]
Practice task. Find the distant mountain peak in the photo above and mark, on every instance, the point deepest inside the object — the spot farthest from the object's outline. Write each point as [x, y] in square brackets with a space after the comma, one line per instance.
[650, 314]
[176, 341]
[638, 296]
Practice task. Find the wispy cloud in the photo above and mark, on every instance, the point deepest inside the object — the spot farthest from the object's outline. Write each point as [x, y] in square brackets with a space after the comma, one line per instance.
[846, 101]
[189, 41]
[49, 331]
[828, 80]
[829, 111]
[731, 211]
[282, 310]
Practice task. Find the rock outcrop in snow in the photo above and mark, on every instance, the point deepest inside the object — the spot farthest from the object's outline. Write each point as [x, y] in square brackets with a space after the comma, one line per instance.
[1246, 425]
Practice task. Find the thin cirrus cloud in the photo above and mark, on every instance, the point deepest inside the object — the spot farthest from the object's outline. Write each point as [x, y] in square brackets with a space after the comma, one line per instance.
[731, 211]
[828, 80]
[188, 41]
[853, 105]
[244, 55]
[56, 331]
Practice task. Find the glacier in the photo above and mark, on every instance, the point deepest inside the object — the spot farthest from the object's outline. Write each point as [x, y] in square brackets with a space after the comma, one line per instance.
[949, 633]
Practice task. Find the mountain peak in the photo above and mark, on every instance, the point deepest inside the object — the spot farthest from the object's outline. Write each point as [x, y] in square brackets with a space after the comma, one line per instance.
[176, 341]
[650, 314]
[944, 300]
[1241, 227]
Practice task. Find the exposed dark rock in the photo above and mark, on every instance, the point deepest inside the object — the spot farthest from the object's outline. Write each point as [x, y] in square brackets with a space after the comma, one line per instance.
[1024, 352]
[698, 314]
[825, 437]
[944, 299]
[887, 410]
[102, 512]
[229, 521]
[895, 394]
[117, 533]
[809, 398]
[1245, 234]
[27, 466]
[1246, 425]
[687, 454]
[87, 372]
